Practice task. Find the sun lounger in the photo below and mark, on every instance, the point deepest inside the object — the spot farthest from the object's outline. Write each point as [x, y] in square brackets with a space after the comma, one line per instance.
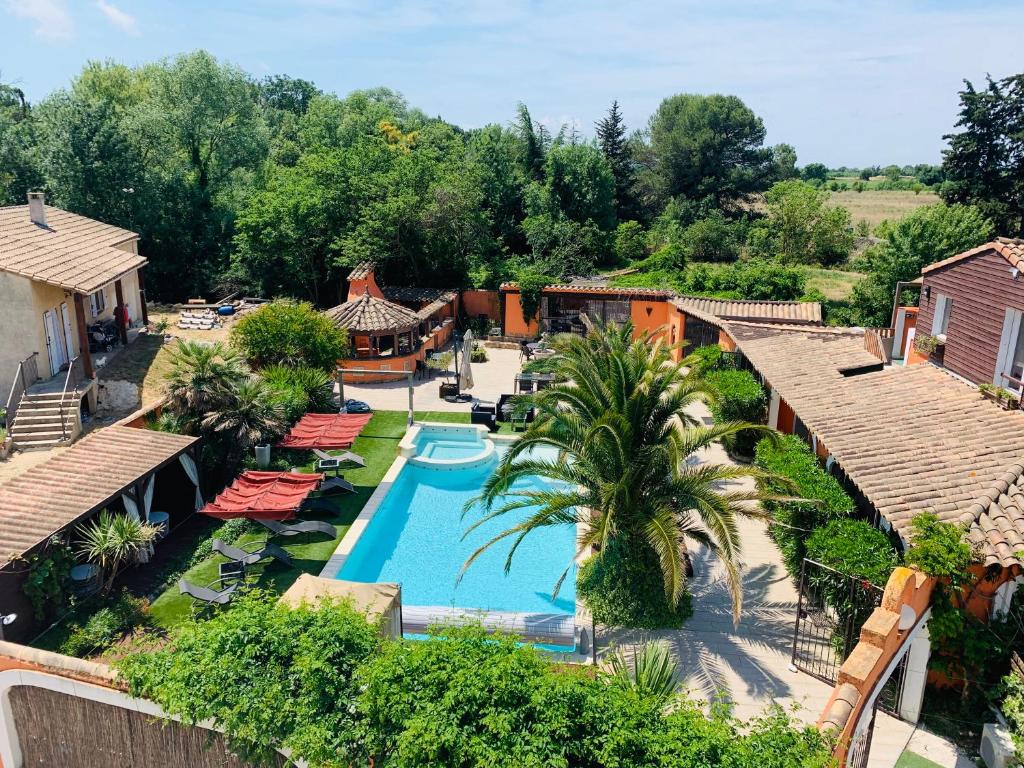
[295, 529]
[205, 596]
[251, 558]
[345, 457]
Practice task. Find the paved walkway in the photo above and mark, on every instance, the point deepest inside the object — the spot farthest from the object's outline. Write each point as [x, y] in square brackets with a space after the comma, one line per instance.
[749, 663]
[490, 381]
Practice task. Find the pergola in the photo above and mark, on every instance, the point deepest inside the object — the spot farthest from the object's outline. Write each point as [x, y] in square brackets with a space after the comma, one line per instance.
[378, 327]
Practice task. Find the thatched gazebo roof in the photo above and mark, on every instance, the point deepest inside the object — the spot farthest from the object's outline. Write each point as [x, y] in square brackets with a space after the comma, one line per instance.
[372, 316]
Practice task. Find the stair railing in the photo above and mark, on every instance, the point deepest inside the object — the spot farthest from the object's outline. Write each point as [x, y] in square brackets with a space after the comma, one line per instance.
[28, 373]
[74, 377]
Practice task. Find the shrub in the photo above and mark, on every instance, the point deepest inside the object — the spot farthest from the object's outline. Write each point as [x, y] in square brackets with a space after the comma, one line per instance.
[738, 397]
[714, 238]
[706, 358]
[479, 354]
[1013, 709]
[292, 333]
[531, 285]
[623, 587]
[822, 498]
[300, 389]
[110, 623]
[854, 548]
[47, 572]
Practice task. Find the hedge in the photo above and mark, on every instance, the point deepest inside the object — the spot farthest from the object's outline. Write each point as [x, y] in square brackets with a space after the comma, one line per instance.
[739, 397]
[794, 521]
[855, 548]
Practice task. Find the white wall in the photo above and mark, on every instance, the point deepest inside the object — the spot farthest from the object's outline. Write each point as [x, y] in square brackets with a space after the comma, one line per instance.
[18, 328]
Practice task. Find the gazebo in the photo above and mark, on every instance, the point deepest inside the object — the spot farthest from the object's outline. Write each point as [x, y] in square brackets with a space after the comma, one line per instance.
[378, 328]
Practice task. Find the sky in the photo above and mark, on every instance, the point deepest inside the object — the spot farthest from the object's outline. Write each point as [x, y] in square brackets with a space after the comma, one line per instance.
[853, 83]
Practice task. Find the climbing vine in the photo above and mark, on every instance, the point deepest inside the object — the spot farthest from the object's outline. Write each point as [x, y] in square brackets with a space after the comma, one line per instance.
[48, 571]
[531, 285]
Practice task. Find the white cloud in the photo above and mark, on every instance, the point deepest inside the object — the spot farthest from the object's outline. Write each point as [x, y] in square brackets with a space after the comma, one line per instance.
[123, 21]
[51, 17]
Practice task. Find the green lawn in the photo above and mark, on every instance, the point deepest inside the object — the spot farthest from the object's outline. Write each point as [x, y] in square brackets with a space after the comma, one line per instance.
[835, 284]
[378, 444]
[910, 760]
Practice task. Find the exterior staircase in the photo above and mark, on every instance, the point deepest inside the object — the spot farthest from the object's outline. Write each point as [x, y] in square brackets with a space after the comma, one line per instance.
[47, 419]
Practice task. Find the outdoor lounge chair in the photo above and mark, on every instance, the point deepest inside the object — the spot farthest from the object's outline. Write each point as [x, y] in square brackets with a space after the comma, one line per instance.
[203, 597]
[345, 457]
[296, 529]
[251, 558]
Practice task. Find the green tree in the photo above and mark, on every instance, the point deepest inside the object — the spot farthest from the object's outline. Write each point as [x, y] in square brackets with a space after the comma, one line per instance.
[814, 172]
[621, 426]
[19, 168]
[784, 163]
[612, 138]
[248, 415]
[580, 185]
[802, 227]
[709, 147]
[984, 165]
[630, 242]
[928, 234]
[200, 377]
[290, 333]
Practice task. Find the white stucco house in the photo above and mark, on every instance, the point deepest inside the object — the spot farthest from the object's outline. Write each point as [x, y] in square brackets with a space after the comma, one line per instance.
[59, 273]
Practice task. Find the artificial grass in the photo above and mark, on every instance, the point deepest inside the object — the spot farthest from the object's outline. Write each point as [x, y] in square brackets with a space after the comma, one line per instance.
[910, 760]
[378, 445]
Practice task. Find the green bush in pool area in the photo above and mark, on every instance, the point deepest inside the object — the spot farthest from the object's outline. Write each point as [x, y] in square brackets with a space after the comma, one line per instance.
[623, 586]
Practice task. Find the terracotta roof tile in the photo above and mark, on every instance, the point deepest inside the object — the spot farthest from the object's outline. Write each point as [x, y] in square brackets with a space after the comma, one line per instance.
[912, 439]
[797, 312]
[609, 290]
[71, 251]
[368, 314]
[51, 496]
[361, 271]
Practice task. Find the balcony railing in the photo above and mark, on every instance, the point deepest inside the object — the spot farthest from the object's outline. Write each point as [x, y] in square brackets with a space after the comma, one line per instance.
[879, 341]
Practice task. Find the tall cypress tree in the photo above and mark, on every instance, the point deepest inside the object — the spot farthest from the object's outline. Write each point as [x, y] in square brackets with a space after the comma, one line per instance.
[611, 135]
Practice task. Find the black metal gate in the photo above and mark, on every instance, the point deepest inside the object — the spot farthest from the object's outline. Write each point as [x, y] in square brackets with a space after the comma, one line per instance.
[831, 608]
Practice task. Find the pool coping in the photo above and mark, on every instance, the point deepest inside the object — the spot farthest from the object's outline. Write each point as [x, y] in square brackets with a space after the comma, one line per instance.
[583, 620]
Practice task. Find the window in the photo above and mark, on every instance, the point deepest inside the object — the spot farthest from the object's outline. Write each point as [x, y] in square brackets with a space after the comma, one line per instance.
[940, 321]
[97, 302]
[1011, 352]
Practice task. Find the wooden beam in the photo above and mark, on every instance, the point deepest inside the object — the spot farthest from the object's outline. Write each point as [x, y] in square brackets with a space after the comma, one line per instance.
[122, 326]
[83, 338]
[142, 294]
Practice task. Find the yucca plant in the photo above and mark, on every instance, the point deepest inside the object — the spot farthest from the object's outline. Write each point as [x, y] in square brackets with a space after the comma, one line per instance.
[623, 432]
[648, 669]
[111, 541]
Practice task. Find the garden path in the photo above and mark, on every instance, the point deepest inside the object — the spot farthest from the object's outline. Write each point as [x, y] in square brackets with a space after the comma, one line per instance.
[749, 663]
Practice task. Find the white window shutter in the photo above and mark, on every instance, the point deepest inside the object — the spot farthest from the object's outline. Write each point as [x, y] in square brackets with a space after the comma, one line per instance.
[940, 311]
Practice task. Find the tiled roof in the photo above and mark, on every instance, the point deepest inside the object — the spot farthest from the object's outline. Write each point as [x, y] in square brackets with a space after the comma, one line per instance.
[368, 314]
[361, 271]
[416, 293]
[78, 480]
[71, 251]
[912, 439]
[1011, 249]
[610, 290]
[763, 311]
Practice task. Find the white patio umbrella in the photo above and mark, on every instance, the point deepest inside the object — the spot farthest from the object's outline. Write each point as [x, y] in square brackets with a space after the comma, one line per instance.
[466, 374]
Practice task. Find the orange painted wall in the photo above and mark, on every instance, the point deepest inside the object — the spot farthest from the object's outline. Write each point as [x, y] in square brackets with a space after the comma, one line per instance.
[397, 366]
[513, 324]
[909, 323]
[478, 302]
[676, 332]
[357, 288]
[725, 342]
[787, 418]
[649, 315]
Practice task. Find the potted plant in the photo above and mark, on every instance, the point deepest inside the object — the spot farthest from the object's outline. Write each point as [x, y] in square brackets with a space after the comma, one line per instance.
[114, 541]
[925, 344]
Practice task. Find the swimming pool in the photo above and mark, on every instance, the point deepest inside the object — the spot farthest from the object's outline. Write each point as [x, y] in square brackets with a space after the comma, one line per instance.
[415, 537]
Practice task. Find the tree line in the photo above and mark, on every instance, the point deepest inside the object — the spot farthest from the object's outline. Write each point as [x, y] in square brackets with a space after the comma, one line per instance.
[276, 187]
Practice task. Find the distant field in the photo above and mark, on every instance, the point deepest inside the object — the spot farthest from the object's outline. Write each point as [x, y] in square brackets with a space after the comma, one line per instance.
[834, 284]
[876, 205]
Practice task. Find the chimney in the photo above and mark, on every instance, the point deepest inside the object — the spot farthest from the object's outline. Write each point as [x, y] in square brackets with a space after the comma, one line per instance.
[36, 208]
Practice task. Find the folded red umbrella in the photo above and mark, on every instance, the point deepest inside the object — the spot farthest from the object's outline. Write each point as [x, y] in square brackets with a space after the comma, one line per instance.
[326, 431]
[263, 495]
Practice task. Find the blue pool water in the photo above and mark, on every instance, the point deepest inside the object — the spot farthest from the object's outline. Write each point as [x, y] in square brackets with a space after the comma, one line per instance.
[448, 444]
[416, 539]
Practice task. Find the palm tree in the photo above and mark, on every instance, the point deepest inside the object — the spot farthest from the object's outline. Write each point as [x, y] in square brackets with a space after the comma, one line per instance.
[621, 428]
[249, 414]
[200, 377]
[111, 541]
